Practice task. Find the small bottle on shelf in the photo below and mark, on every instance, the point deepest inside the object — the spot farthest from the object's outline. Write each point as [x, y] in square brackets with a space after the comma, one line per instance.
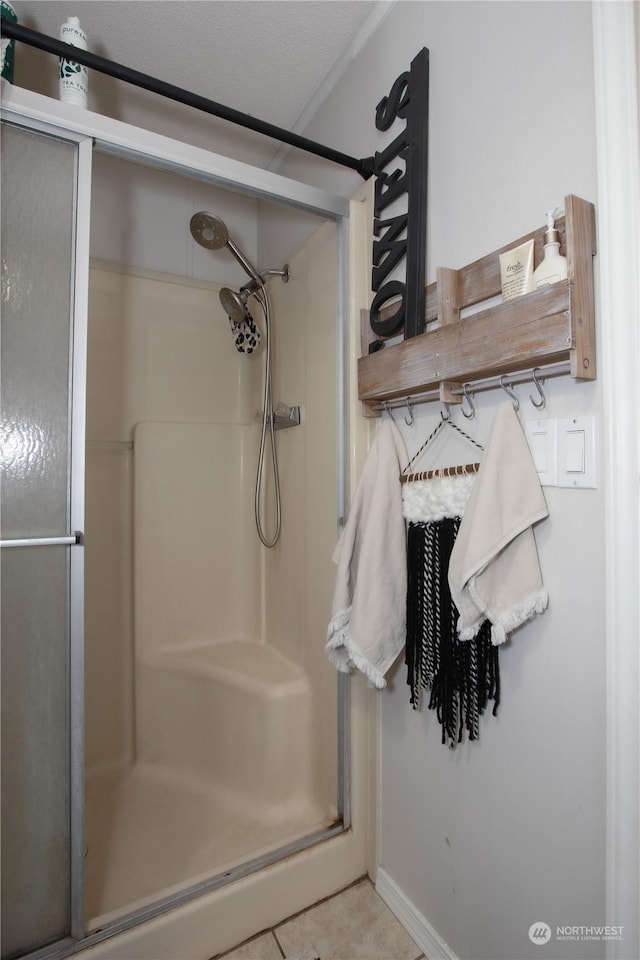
[553, 266]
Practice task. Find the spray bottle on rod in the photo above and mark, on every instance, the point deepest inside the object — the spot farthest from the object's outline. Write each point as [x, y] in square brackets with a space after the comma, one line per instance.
[74, 78]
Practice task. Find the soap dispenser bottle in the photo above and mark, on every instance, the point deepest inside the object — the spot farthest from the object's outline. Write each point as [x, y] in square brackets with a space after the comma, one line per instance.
[553, 266]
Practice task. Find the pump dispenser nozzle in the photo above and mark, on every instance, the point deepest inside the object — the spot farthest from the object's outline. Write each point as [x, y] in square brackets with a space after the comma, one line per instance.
[551, 234]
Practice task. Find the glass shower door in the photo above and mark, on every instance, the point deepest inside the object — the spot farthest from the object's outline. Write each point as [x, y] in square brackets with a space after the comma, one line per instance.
[41, 556]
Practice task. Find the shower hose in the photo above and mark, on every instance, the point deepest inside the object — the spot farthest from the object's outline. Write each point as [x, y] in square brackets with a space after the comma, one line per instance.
[267, 427]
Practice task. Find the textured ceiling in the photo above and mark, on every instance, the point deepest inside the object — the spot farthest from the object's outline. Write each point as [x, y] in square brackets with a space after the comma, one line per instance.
[263, 57]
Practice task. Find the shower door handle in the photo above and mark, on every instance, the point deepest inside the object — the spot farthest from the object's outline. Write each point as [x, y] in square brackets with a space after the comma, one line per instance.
[76, 539]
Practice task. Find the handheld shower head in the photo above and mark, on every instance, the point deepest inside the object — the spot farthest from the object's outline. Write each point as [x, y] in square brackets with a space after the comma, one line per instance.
[246, 335]
[233, 305]
[208, 231]
[211, 232]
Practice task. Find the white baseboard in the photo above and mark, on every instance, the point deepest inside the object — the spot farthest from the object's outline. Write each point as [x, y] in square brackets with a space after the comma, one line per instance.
[417, 926]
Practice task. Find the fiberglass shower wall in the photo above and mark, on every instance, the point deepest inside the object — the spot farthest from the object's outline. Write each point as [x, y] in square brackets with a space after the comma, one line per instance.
[299, 574]
[173, 558]
[159, 350]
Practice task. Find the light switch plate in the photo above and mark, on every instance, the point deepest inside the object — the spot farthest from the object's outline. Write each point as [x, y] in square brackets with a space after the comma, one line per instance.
[541, 437]
[577, 452]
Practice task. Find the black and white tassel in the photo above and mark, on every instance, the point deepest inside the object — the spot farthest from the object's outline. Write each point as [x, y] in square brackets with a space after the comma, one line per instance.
[463, 676]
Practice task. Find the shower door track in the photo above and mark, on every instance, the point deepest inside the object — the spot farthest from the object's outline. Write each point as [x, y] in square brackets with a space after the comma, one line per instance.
[36, 112]
[190, 893]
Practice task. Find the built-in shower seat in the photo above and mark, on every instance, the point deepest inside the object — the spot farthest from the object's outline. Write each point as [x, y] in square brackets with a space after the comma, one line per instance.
[234, 712]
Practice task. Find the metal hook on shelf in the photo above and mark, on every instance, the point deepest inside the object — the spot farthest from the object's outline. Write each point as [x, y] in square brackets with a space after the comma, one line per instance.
[538, 404]
[467, 396]
[387, 407]
[448, 409]
[410, 420]
[507, 389]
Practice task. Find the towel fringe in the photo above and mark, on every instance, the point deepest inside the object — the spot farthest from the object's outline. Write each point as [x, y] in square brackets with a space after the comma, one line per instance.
[343, 655]
[506, 622]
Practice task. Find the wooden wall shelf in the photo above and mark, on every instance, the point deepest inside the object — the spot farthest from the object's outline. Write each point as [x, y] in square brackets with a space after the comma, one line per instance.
[549, 325]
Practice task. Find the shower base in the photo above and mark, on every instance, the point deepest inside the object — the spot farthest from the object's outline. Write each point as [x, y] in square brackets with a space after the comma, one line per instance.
[150, 831]
[223, 775]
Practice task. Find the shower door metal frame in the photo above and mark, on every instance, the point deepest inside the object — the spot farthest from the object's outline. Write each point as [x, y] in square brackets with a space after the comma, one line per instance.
[79, 294]
[36, 112]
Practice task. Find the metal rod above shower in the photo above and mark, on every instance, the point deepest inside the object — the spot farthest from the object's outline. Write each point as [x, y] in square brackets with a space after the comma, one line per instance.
[41, 41]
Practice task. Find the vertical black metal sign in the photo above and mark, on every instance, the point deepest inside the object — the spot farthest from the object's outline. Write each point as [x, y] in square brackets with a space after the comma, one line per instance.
[403, 235]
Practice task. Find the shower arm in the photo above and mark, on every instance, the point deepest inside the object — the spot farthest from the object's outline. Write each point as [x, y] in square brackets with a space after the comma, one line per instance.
[41, 41]
[246, 264]
[250, 288]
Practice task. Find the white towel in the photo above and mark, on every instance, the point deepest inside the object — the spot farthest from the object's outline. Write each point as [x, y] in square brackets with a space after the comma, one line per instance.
[368, 623]
[494, 571]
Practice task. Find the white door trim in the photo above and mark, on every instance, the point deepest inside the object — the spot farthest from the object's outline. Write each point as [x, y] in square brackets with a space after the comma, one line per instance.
[615, 49]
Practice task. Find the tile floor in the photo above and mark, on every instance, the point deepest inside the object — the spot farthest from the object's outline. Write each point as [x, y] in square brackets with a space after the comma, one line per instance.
[354, 924]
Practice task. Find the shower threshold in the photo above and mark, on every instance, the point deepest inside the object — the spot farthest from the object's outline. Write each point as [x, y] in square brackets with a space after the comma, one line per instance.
[156, 838]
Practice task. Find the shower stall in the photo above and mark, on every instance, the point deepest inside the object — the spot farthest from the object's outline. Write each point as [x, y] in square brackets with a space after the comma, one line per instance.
[210, 766]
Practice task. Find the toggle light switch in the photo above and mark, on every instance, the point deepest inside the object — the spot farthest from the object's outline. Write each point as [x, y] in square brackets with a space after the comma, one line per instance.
[540, 449]
[575, 447]
[577, 452]
[541, 437]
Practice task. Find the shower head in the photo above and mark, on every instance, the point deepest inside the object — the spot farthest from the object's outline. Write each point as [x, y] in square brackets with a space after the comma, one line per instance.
[208, 231]
[211, 232]
[246, 335]
[234, 305]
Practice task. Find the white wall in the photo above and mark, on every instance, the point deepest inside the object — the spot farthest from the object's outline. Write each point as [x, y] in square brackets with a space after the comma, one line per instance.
[486, 840]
